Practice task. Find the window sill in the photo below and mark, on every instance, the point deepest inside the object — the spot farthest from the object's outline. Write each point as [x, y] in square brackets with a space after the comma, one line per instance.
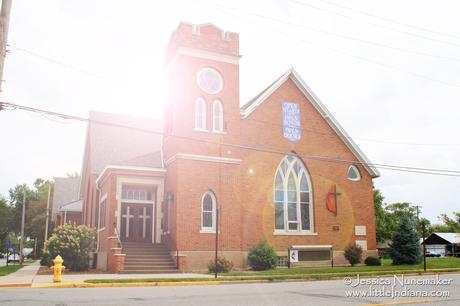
[219, 132]
[302, 233]
[207, 231]
[201, 130]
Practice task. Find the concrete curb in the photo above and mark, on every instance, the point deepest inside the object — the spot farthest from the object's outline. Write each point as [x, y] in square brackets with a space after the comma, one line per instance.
[209, 282]
[133, 284]
[9, 286]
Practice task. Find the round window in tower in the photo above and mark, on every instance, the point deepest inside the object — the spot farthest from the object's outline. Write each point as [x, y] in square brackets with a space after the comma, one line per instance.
[210, 80]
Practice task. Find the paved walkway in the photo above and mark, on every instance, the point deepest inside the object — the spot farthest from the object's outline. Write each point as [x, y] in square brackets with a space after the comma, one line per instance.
[23, 277]
[80, 278]
[27, 276]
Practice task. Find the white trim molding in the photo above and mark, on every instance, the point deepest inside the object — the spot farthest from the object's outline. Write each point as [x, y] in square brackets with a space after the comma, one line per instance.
[321, 108]
[128, 168]
[300, 233]
[205, 158]
[204, 54]
[156, 211]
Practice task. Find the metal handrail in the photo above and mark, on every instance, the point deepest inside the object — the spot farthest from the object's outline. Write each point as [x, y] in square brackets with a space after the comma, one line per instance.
[118, 235]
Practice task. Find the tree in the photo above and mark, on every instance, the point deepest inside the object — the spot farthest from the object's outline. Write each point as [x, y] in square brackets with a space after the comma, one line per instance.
[5, 221]
[387, 216]
[382, 218]
[405, 245]
[35, 214]
[448, 225]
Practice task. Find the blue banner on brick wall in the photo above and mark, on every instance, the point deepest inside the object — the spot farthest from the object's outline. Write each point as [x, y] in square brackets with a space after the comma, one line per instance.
[291, 121]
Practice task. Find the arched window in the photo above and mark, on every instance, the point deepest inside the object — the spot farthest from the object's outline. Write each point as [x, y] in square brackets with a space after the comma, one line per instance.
[200, 114]
[217, 116]
[208, 212]
[293, 197]
[353, 173]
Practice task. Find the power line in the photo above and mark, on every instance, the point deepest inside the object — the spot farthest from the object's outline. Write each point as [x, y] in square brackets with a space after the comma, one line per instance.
[53, 61]
[390, 20]
[420, 170]
[381, 64]
[310, 28]
[377, 25]
[304, 129]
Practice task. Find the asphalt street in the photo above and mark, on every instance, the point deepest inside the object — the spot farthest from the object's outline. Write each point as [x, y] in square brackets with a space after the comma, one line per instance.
[333, 292]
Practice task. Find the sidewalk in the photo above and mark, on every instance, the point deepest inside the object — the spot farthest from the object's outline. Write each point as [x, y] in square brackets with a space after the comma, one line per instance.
[27, 277]
[41, 280]
[24, 277]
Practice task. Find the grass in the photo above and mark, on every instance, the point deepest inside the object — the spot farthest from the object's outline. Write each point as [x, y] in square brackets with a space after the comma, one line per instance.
[10, 269]
[433, 265]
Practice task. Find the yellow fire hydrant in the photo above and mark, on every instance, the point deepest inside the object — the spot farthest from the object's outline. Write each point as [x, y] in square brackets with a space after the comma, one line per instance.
[58, 269]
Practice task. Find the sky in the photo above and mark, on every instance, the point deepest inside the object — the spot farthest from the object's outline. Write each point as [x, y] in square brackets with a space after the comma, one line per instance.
[389, 71]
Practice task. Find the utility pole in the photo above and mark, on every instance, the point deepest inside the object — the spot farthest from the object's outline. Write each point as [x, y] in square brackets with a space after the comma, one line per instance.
[424, 246]
[217, 241]
[47, 219]
[4, 24]
[21, 245]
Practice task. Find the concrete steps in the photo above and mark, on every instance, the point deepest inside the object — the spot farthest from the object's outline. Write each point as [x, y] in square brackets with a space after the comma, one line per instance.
[144, 257]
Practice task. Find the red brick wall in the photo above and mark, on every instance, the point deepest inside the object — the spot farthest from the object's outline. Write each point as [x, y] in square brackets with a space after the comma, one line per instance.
[246, 199]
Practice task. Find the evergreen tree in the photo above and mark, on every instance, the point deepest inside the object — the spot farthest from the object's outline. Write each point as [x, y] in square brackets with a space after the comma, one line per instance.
[405, 245]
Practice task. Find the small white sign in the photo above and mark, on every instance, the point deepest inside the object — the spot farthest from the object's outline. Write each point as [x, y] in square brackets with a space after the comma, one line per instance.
[360, 230]
[294, 255]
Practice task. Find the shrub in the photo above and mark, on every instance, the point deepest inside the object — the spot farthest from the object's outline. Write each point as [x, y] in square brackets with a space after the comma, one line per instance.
[404, 246]
[74, 244]
[223, 265]
[262, 257]
[46, 260]
[353, 253]
[372, 261]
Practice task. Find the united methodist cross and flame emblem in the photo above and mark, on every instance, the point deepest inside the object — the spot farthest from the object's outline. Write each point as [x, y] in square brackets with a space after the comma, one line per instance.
[331, 199]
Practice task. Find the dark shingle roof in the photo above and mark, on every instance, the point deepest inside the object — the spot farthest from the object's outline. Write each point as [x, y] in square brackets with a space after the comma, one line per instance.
[65, 191]
[119, 145]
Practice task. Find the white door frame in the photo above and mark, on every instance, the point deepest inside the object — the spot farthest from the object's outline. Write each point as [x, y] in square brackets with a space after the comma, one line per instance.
[156, 209]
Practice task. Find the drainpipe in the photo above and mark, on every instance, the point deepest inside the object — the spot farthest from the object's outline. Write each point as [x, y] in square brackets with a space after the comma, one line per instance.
[98, 214]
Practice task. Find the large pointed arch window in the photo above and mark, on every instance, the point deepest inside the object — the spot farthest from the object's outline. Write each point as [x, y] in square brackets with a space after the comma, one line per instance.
[293, 197]
[217, 116]
[200, 114]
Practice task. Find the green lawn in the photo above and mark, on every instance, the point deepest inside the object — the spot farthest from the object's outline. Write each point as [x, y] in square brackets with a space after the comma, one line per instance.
[10, 269]
[431, 263]
[448, 264]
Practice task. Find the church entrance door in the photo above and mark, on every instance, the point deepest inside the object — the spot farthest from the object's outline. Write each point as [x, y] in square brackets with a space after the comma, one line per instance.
[136, 222]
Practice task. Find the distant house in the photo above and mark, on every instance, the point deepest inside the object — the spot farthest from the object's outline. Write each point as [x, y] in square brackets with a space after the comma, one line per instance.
[444, 244]
[383, 248]
[67, 206]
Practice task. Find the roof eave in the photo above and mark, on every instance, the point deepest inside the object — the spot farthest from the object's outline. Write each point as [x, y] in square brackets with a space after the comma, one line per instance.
[321, 108]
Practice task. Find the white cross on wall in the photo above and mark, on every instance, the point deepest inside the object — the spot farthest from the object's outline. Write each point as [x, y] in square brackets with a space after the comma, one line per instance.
[144, 218]
[128, 217]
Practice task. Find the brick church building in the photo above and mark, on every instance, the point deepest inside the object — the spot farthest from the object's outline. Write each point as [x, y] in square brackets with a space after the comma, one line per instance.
[279, 169]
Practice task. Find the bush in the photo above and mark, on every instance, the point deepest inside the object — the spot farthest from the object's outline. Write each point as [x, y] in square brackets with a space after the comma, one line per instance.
[74, 244]
[405, 246]
[372, 261]
[262, 257]
[46, 260]
[353, 253]
[223, 265]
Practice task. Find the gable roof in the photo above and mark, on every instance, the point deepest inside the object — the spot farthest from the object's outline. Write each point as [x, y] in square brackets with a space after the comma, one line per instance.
[252, 105]
[118, 145]
[75, 206]
[450, 237]
[65, 191]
